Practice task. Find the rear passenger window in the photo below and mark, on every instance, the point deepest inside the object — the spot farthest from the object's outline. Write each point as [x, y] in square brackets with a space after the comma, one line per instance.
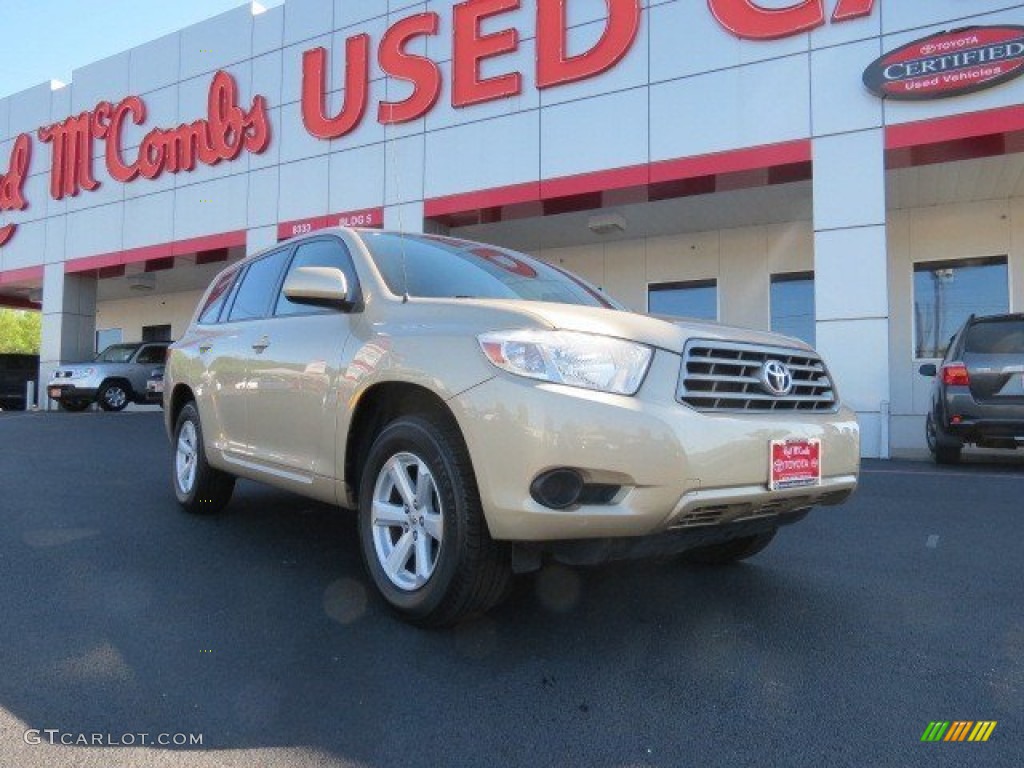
[259, 284]
[152, 356]
[318, 253]
[211, 310]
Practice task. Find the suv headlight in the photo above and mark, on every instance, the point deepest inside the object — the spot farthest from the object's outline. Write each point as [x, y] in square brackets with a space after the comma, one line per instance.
[582, 360]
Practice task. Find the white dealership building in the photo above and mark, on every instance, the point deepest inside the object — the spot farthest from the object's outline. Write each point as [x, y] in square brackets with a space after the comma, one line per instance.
[848, 171]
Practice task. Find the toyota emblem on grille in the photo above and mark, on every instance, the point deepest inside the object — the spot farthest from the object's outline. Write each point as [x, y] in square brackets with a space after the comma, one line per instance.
[776, 378]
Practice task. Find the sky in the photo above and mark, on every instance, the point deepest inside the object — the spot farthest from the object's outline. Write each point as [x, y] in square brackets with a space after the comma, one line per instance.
[45, 40]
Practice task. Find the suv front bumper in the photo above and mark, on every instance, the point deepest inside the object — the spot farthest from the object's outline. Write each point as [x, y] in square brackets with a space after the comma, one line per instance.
[677, 468]
[63, 392]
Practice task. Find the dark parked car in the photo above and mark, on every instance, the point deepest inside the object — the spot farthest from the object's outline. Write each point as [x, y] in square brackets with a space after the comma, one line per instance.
[15, 372]
[978, 395]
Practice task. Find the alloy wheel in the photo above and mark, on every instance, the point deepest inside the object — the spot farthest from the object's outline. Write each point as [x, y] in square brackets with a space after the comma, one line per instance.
[115, 397]
[407, 521]
[186, 456]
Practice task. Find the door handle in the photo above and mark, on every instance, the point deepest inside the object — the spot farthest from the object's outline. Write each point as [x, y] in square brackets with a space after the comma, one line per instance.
[262, 344]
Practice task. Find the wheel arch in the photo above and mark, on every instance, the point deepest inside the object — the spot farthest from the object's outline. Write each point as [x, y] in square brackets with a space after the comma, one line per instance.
[180, 397]
[377, 407]
[115, 379]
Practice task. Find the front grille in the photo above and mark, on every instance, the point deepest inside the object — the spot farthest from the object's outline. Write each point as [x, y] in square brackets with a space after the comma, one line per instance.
[726, 376]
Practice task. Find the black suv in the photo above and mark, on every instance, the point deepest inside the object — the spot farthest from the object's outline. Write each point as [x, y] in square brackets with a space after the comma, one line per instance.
[978, 395]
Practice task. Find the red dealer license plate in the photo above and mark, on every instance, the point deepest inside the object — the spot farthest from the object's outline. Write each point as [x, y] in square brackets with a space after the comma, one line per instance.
[794, 463]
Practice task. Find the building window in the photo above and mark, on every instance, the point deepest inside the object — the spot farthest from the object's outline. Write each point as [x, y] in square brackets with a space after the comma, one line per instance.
[107, 336]
[947, 292]
[693, 298]
[792, 304]
[156, 333]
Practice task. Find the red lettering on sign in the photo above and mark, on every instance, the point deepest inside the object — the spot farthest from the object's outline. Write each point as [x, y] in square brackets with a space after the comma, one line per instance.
[12, 183]
[556, 67]
[226, 131]
[314, 89]
[470, 47]
[852, 9]
[71, 166]
[113, 118]
[744, 18]
[422, 72]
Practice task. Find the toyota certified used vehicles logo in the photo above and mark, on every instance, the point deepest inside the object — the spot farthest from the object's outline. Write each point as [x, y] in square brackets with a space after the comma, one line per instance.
[949, 64]
[776, 378]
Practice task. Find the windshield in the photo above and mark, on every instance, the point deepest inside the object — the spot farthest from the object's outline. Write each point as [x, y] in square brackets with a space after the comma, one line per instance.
[117, 353]
[997, 337]
[444, 267]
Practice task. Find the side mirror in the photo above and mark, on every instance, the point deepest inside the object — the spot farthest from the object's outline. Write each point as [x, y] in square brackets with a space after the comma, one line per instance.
[928, 369]
[318, 286]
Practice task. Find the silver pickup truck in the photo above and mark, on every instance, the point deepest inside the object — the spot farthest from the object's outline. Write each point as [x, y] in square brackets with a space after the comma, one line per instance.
[117, 376]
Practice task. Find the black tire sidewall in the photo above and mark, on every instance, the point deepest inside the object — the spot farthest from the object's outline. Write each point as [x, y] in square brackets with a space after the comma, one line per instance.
[422, 439]
[930, 434]
[944, 448]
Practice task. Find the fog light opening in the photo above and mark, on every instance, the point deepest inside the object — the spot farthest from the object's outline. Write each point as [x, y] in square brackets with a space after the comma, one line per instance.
[557, 488]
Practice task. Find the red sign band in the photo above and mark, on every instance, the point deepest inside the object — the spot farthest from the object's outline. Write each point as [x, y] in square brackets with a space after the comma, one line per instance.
[368, 217]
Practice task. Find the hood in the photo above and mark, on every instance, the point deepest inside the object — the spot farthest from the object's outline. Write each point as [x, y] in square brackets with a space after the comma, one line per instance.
[669, 333]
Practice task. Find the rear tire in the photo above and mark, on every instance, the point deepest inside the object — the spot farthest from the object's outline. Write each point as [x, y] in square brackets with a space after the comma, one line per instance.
[729, 551]
[944, 450]
[422, 531]
[200, 488]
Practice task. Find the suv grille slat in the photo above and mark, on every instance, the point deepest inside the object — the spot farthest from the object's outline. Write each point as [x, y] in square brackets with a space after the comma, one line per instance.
[725, 376]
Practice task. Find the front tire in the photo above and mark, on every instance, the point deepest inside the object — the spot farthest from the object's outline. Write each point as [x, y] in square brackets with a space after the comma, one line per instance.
[729, 551]
[422, 531]
[200, 488]
[114, 396]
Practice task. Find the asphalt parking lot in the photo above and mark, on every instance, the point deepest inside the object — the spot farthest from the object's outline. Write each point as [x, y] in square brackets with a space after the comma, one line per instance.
[257, 630]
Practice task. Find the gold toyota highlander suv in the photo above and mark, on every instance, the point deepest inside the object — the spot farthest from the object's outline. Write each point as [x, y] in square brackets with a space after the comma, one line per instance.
[484, 411]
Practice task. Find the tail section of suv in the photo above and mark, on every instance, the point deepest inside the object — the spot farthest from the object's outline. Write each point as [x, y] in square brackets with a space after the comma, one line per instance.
[978, 394]
[483, 411]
